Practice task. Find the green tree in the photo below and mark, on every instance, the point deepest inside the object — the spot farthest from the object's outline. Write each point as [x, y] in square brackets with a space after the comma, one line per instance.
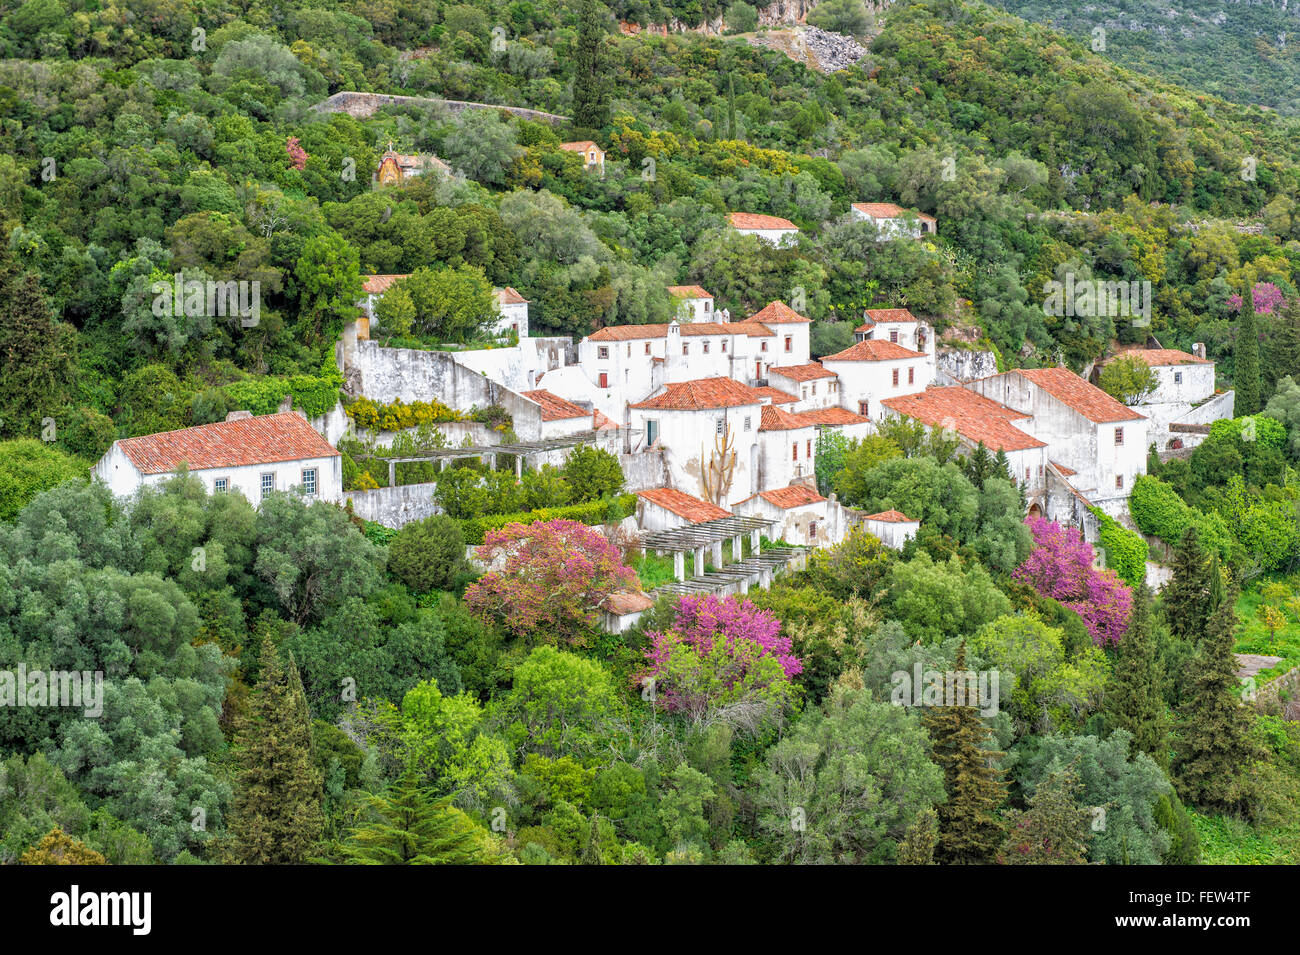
[37, 355]
[329, 272]
[1128, 379]
[1135, 699]
[407, 826]
[1055, 830]
[591, 72]
[1246, 361]
[276, 818]
[920, 840]
[59, 848]
[429, 554]
[28, 467]
[592, 473]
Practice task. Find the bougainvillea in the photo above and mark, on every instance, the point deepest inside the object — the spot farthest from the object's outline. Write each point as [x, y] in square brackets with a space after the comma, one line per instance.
[547, 579]
[722, 653]
[1061, 566]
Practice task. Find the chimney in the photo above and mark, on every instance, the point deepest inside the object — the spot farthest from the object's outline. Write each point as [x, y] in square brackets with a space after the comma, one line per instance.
[1198, 349]
[238, 415]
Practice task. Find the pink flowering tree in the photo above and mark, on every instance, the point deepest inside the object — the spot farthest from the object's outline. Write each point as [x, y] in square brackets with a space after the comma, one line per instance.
[1267, 298]
[1061, 566]
[297, 155]
[722, 658]
[548, 578]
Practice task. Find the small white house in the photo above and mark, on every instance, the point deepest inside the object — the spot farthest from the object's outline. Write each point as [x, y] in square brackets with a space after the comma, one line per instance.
[897, 325]
[893, 221]
[812, 384]
[252, 455]
[560, 417]
[622, 609]
[512, 309]
[871, 371]
[666, 509]
[593, 157]
[803, 518]
[773, 230]
[1184, 395]
[693, 303]
[787, 448]
[894, 528]
[791, 330]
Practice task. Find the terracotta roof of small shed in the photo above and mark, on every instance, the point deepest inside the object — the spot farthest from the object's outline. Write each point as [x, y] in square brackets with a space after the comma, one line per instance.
[753, 220]
[683, 505]
[554, 408]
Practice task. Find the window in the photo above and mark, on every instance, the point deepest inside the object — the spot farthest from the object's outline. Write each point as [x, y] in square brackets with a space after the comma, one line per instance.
[911, 376]
[686, 349]
[789, 343]
[219, 485]
[708, 306]
[747, 423]
[895, 377]
[651, 432]
[647, 348]
[1178, 378]
[1040, 470]
[814, 387]
[1119, 482]
[602, 351]
[627, 375]
[794, 451]
[1119, 437]
[893, 336]
[762, 346]
[808, 450]
[803, 393]
[629, 350]
[706, 348]
[862, 409]
[1026, 475]
[268, 483]
[724, 346]
[309, 481]
[604, 379]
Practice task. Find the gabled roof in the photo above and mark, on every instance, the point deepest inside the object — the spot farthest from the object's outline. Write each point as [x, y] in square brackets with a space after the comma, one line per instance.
[887, 210]
[775, 419]
[778, 313]
[264, 439]
[683, 505]
[508, 296]
[971, 415]
[832, 416]
[888, 315]
[602, 422]
[581, 146]
[379, 284]
[892, 517]
[703, 393]
[626, 333]
[554, 408]
[688, 291]
[1164, 356]
[873, 350]
[796, 495]
[1071, 390]
[778, 396]
[753, 220]
[809, 372]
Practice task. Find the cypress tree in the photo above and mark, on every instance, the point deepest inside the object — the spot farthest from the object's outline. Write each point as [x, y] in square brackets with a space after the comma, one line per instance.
[731, 107]
[1246, 374]
[970, 831]
[412, 828]
[1215, 744]
[1284, 346]
[1135, 700]
[920, 839]
[590, 75]
[276, 818]
[1055, 830]
[1186, 598]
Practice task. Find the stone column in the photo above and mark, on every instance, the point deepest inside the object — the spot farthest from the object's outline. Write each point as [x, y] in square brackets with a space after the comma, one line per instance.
[699, 562]
[738, 548]
[679, 565]
[717, 553]
[753, 540]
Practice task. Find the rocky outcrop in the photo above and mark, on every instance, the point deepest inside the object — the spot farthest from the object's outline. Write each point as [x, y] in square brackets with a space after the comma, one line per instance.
[957, 365]
[362, 105]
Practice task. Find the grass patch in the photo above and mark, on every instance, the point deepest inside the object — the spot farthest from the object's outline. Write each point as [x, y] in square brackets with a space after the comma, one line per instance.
[1229, 841]
[654, 571]
[1253, 636]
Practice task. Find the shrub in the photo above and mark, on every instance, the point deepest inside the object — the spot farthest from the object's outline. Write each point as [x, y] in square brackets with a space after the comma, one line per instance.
[1126, 552]
[429, 554]
[28, 467]
[592, 473]
[87, 432]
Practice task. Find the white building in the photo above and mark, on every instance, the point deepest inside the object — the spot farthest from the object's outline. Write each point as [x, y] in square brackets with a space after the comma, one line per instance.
[622, 609]
[693, 303]
[897, 325]
[871, 371]
[893, 528]
[512, 309]
[803, 517]
[252, 455]
[893, 221]
[792, 332]
[773, 230]
[666, 509]
[1087, 432]
[593, 157]
[813, 385]
[560, 418]
[787, 448]
[1184, 395]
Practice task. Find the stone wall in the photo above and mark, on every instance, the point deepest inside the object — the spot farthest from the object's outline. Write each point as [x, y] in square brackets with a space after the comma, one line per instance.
[394, 506]
[956, 365]
[362, 105]
[643, 470]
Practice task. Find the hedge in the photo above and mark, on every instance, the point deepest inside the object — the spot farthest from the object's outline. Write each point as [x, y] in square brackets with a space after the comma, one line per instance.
[1125, 551]
[1157, 509]
[314, 394]
[607, 511]
[398, 414]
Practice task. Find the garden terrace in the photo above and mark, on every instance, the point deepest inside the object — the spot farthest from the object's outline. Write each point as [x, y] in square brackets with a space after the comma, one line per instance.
[488, 453]
[758, 569]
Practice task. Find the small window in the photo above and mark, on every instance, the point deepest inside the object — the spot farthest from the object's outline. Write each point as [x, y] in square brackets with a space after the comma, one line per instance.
[708, 306]
[762, 346]
[789, 343]
[604, 379]
[1040, 470]
[309, 481]
[219, 485]
[863, 409]
[747, 423]
[808, 450]
[268, 483]
[895, 377]
[651, 432]
[647, 348]
[629, 350]
[706, 348]
[686, 349]
[1119, 436]
[794, 451]
[1178, 378]
[602, 351]
[803, 393]
[724, 346]
[1026, 475]
[1119, 482]
[814, 387]
[893, 336]
[911, 376]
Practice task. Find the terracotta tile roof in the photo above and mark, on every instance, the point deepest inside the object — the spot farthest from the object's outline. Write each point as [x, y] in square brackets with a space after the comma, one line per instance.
[623, 602]
[703, 393]
[751, 328]
[508, 296]
[581, 146]
[809, 372]
[1089, 400]
[891, 517]
[602, 422]
[775, 419]
[626, 333]
[1068, 472]
[887, 210]
[264, 439]
[778, 313]
[832, 416]
[379, 284]
[895, 315]
[1164, 356]
[971, 415]
[778, 396]
[554, 408]
[683, 505]
[752, 220]
[873, 350]
[687, 291]
[796, 495]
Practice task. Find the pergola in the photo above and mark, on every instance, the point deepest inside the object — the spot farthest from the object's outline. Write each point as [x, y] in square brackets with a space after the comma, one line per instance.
[696, 537]
[487, 452]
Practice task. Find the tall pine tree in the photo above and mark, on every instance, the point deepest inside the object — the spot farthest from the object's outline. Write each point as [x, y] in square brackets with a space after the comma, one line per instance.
[1055, 830]
[1186, 598]
[1284, 345]
[409, 827]
[1246, 360]
[590, 70]
[276, 818]
[1135, 698]
[970, 830]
